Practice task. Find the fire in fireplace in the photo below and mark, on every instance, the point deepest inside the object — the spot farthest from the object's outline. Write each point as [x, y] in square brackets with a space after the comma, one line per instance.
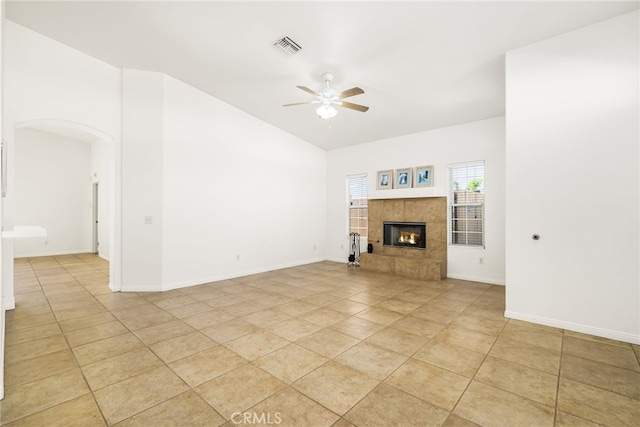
[405, 234]
[409, 238]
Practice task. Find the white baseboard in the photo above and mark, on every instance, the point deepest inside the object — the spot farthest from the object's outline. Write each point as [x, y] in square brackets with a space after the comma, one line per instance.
[1, 392]
[215, 278]
[9, 302]
[488, 280]
[576, 327]
[138, 288]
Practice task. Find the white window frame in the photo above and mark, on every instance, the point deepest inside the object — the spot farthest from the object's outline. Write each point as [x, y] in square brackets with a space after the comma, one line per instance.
[453, 207]
[364, 178]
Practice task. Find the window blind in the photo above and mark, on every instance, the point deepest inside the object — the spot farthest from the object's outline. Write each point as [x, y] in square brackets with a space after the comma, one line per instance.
[357, 204]
[466, 216]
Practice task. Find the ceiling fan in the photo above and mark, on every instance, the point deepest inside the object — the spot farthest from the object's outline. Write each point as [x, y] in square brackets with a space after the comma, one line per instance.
[328, 97]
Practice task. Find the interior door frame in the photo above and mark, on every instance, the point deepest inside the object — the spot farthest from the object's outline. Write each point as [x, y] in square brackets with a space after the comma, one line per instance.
[95, 245]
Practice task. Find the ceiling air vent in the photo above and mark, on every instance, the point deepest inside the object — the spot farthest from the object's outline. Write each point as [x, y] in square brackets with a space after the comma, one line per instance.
[288, 45]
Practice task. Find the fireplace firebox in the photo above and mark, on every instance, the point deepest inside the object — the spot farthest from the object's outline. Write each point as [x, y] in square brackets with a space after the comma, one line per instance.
[405, 234]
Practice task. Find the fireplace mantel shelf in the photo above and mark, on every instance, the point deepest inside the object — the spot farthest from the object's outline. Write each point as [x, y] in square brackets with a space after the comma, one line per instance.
[408, 193]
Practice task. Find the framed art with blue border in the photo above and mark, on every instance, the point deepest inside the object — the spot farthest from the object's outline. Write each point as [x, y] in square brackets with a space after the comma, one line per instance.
[403, 178]
[385, 180]
[423, 176]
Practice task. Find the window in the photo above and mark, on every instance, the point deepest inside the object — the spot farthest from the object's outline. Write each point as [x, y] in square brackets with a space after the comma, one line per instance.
[358, 215]
[466, 204]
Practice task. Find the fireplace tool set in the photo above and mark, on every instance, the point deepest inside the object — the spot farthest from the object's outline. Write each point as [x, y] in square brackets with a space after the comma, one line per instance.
[354, 254]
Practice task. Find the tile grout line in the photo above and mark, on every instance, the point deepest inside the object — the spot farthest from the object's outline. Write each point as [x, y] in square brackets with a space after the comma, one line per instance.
[138, 374]
[90, 391]
[452, 411]
[343, 297]
[555, 412]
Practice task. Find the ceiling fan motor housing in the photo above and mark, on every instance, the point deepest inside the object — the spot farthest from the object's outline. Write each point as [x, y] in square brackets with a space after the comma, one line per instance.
[327, 94]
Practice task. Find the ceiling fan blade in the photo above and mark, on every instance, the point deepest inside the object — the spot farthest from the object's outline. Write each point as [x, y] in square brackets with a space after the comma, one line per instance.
[306, 89]
[350, 92]
[301, 103]
[352, 106]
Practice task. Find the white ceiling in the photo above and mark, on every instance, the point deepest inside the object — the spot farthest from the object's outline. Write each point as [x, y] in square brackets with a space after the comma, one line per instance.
[422, 64]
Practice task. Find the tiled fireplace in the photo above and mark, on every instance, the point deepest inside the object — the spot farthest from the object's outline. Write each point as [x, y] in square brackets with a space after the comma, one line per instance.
[402, 253]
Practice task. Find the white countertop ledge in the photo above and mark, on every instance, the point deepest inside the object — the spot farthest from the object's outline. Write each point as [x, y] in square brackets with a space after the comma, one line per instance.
[23, 231]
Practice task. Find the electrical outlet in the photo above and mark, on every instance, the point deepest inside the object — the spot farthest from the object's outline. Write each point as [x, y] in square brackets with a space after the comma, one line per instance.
[238, 257]
[148, 220]
[46, 242]
[481, 261]
[314, 246]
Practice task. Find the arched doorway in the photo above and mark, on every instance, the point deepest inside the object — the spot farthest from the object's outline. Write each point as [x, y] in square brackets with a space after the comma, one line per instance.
[104, 145]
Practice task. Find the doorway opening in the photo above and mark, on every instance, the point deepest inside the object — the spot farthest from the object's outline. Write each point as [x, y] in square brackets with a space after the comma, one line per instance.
[104, 231]
[95, 220]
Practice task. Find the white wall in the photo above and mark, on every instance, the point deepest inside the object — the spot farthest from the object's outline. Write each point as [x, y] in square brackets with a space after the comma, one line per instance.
[483, 140]
[2, 284]
[284, 175]
[52, 189]
[142, 180]
[227, 194]
[239, 196]
[573, 145]
[46, 80]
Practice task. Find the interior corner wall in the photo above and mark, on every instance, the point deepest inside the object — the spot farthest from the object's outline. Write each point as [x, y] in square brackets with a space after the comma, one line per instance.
[52, 189]
[482, 140]
[239, 195]
[142, 180]
[572, 156]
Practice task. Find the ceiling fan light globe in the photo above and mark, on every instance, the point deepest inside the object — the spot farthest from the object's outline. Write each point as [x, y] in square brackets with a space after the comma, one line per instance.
[326, 111]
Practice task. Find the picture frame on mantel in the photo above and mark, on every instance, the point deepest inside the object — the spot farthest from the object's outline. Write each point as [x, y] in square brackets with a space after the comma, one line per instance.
[423, 176]
[385, 180]
[403, 178]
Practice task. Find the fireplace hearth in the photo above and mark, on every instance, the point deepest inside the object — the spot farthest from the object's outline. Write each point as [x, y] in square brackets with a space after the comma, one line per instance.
[411, 235]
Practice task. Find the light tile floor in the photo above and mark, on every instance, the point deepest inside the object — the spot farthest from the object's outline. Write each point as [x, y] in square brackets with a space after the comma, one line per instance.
[317, 345]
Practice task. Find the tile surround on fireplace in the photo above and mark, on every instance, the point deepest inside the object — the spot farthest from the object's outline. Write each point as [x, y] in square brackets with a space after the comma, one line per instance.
[430, 263]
